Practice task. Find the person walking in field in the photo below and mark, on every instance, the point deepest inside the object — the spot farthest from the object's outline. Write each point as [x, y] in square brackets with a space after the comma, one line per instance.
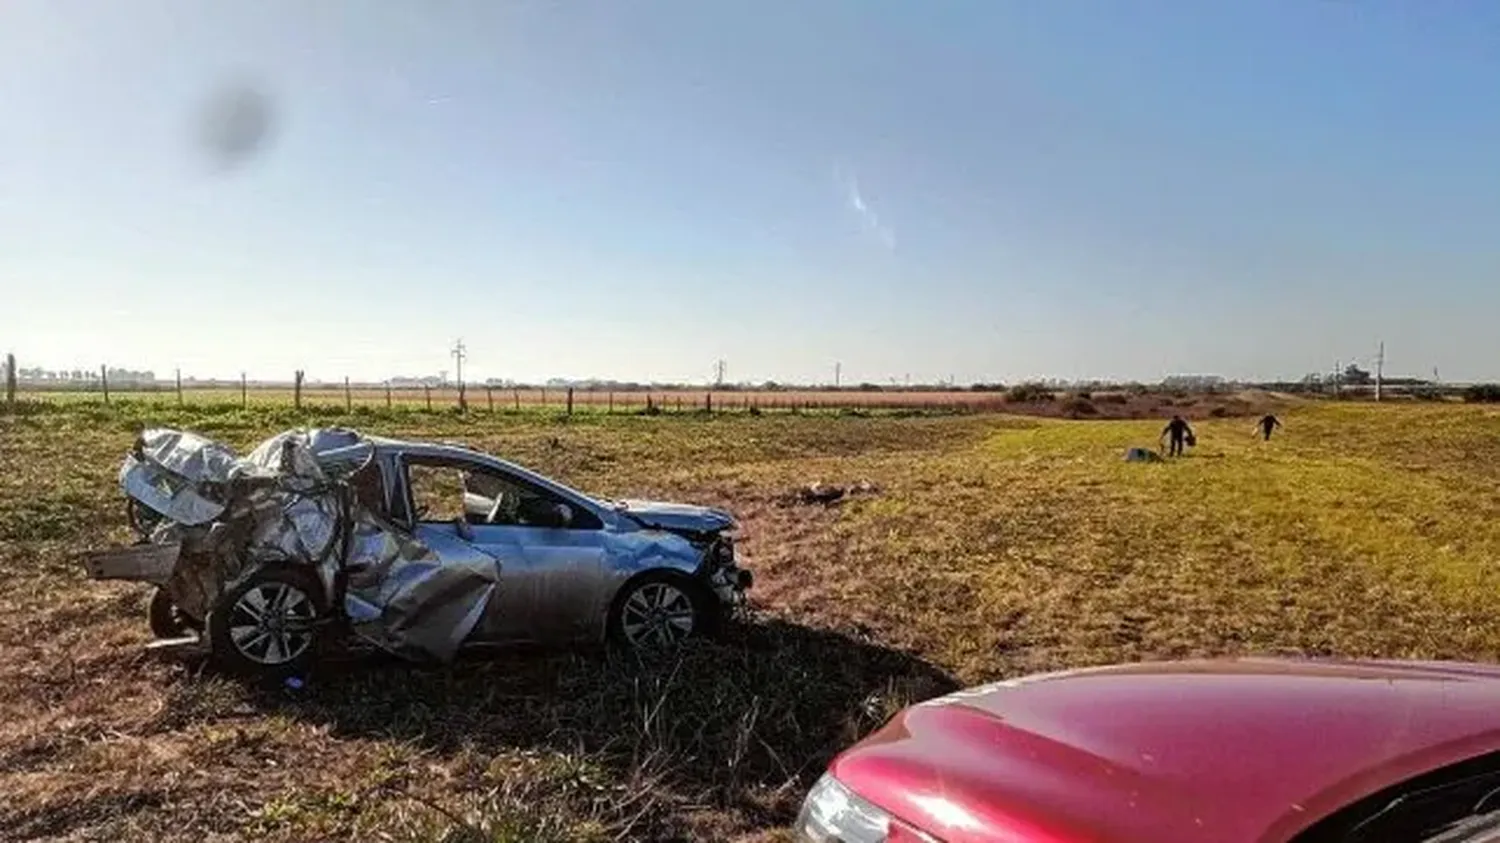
[1177, 432]
[1267, 424]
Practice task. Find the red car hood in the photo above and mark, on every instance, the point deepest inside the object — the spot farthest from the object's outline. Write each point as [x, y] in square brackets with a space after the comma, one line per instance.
[1245, 750]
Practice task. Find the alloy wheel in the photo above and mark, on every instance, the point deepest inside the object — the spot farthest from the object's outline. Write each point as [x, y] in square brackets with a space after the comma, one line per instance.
[657, 614]
[271, 623]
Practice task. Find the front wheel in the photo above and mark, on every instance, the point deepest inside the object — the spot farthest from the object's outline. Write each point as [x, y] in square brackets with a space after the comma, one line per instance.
[268, 624]
[659, 610]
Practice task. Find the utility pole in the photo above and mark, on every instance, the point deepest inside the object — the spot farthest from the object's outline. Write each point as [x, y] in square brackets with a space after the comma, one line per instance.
[459, 353]
[1379, 370]
[719, 367]
[1338, 374]
[838, 373]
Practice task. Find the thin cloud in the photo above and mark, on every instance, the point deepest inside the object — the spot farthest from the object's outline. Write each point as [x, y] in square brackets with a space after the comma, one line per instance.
[857, 203]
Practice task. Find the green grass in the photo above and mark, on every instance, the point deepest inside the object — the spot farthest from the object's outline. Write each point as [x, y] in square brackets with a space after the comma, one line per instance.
[995, 546]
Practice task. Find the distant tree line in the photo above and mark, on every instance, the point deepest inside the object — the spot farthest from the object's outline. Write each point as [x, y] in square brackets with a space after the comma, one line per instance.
[122, 376]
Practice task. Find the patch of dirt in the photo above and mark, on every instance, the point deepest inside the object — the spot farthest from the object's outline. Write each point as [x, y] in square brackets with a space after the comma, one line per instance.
[1107, 406]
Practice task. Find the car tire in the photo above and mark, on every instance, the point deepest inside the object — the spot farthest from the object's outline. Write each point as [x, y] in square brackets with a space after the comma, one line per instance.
[659, 610]
[168, 621]
[268, 625]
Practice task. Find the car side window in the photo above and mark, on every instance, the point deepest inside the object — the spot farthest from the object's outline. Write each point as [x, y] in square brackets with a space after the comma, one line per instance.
[437, 492]
[514, 502]
[443, 492]
[368, 483]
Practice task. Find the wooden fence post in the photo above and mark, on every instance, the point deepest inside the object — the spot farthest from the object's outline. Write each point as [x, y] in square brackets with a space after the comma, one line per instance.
[244, 392]
[10, 379]
[297, 389]
[517, 394]
[387, 395]
[104, 381]
[570, 400]
[348, 396]
[427, 391]
[708, 402]
[179, 386]
[611, 409]
[544, 398]
[489, 394]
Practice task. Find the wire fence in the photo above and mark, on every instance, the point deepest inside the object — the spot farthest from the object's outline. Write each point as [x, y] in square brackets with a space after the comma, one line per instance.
[349, 396]
[108, 386]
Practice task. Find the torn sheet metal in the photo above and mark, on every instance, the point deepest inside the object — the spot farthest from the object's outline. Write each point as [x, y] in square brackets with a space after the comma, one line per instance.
[151, 563]
[406, 595]
[168, 494]
[288, 502]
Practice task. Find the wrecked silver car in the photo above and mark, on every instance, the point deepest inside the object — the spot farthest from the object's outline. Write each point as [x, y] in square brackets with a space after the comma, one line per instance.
[417, 548]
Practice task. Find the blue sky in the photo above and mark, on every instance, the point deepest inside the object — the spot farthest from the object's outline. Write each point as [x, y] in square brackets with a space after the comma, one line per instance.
[984, 190]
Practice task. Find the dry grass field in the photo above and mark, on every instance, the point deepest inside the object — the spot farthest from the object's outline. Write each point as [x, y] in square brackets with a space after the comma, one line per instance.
[996, 545]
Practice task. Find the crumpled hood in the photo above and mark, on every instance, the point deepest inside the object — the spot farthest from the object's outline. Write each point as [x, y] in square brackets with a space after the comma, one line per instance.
[678, 516]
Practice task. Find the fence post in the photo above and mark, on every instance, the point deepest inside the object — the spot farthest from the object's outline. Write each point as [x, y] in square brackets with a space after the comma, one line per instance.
[10, 379]
[179, 386]
[611, 409]
[679, 402]
[570, 400]
[427, 392]
[297, 389]
[348, 397]
[544, 398]
[708, 402]
[244, 392]
[104, 381]
[387, 395]
[517, 394]
[463, 398]
[489, 394]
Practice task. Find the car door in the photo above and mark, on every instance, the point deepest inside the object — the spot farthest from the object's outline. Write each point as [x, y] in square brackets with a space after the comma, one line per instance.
[551, 576]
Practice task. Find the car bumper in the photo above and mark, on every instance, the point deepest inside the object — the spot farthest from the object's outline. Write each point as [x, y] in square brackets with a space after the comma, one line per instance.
[730, 583]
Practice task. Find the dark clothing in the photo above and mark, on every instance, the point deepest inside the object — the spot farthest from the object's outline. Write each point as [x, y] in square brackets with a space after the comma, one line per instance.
[1268, 424]
[1177, 431]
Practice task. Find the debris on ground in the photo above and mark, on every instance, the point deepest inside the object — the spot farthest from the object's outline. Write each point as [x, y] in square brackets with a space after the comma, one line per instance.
[1142, 455]
[822, 494]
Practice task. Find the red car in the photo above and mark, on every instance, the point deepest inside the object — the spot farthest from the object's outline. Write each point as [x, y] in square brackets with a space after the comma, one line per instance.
[1242, 751]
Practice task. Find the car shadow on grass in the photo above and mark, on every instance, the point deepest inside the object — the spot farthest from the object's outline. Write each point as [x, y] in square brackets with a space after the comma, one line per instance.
[735, 728]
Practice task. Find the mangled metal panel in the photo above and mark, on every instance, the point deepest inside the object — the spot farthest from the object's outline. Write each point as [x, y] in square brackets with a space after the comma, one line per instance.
[176, 474]
[287, 502]
[412, 598]
[151, 563]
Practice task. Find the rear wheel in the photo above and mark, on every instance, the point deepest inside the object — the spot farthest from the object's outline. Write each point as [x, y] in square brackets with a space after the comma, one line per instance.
[660, 610]
[268, 624]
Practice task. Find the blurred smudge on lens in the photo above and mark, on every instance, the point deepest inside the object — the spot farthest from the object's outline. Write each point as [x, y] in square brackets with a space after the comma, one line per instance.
[235, 123]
